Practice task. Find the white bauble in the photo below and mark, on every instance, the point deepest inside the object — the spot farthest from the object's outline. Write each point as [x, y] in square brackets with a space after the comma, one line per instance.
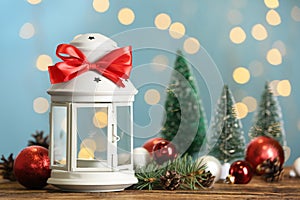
[124, 159]
[292, 173]
[213, 165]
[141, 157]
[296, 166]
[225, 171]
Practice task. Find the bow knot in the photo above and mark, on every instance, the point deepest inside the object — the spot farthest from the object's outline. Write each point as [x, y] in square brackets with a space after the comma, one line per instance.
[91, 66]
[115, 65]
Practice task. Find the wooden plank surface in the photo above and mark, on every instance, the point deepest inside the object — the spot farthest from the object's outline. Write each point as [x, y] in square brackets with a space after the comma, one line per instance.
[288, 188]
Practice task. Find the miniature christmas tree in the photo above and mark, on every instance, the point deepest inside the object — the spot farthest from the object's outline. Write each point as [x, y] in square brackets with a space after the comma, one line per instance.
[268, 119]
[185, 123]
[226, 139]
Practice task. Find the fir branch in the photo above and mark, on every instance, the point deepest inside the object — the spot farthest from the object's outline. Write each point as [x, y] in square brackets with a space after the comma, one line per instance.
[148, 177]
[192, 174]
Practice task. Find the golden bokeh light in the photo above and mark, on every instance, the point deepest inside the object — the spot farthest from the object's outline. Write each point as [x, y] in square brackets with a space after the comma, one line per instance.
[191, 45]
[160, 62]
[86, 153]
[62, 161]
[284, 88]
[101, 5]
[251, 103]
[126, 16]
[241, 75]
[101, 142]
[273, 87]
[273, 18]
[256, 68]
[259, 32]
[241, 110]
[271, 3]
[34, 2]
[237, 35]
[88, 143]
[43, 61]
[177, 30]
[40, 105]
[295, 13]
[274, 57]
[162, 21]
[100, 119]
[27, 31]
[152, 97]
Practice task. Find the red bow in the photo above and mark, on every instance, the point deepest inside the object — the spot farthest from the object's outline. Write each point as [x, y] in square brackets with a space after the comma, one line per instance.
[114, 65]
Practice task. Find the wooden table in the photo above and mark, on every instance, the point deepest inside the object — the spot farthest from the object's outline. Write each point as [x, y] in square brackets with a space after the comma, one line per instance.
[288, 188]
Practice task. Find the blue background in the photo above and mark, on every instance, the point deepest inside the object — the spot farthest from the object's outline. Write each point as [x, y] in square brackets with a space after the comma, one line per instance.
[58, 21]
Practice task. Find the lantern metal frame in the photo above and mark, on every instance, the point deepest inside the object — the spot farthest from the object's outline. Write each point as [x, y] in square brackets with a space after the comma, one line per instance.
[71, 177]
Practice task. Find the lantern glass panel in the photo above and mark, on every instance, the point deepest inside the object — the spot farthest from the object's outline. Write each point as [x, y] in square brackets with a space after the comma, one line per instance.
[59, 136]
[124, 132]
[92, 138]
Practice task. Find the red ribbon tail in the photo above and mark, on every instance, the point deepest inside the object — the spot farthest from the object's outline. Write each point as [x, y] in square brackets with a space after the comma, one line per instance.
[114, 79]
[56, 76]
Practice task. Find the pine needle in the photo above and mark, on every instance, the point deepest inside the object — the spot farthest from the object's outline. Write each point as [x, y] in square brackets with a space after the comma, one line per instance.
[192, 174]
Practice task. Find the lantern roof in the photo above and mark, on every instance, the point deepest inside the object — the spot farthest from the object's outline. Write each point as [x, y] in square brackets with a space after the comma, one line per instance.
[92, 86]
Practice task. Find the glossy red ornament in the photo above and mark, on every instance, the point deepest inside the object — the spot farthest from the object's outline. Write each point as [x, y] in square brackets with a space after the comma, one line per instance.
[149, 144]
[261, 149]
[240, 172]
[164, 151]
[32, 167]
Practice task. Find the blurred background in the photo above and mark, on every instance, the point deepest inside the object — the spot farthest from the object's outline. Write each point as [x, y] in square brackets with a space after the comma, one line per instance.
[242, 43]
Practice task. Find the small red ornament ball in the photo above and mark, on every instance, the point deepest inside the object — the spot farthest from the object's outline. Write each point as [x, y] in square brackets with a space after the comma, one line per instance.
[32, 167]
[149, 144]
[164, 151]
[262, 148]
[241, 171]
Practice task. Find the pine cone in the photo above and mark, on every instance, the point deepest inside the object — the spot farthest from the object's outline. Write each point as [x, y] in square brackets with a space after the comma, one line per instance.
[273, 170]
[171, 180]
[39, 139]
[206, 180]
[6, 167]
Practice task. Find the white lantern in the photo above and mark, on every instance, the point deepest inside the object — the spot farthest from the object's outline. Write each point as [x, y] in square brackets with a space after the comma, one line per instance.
[91, 127]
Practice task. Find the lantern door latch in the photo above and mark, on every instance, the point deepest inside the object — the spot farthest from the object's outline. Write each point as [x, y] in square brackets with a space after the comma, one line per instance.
[115, 138]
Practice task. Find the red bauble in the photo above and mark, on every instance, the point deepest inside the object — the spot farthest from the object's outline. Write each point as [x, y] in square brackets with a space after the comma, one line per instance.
[164, 151]
[149, 144]
[261, 149]
[32, 167]
[241, 171]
